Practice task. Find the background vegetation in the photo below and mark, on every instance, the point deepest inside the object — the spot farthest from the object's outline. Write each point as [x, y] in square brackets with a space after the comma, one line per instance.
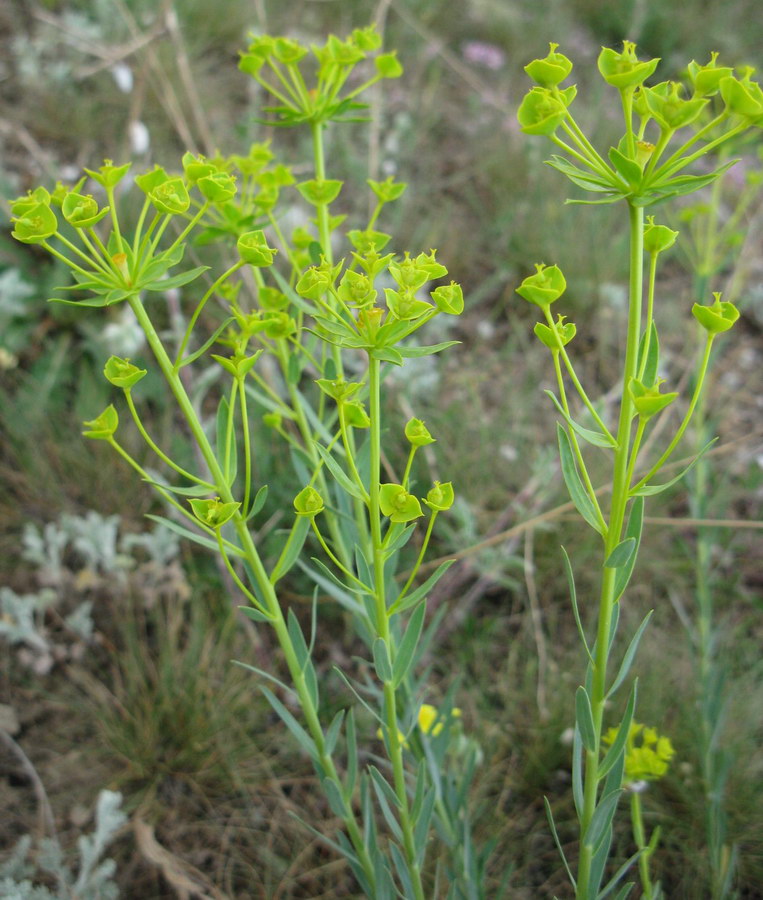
[147, 702]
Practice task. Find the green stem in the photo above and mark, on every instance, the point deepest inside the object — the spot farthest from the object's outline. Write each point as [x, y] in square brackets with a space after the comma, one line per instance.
[247, 448]
[638, 834]
[160, 453]
[250, 553]
[649, 313]
[383, 631]
[419, 558]
[584, 890]
[320, 175]
[687, 418]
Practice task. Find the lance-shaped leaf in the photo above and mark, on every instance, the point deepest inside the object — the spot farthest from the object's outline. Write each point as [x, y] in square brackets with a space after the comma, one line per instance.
[580, 498]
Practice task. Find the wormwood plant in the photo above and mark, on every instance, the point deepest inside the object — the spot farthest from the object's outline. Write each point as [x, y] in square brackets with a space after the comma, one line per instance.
[279, 339]
[667, 129]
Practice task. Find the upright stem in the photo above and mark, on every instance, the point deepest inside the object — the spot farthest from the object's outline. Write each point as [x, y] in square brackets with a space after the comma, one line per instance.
[267, 590]
[612, 539]
[382, 629]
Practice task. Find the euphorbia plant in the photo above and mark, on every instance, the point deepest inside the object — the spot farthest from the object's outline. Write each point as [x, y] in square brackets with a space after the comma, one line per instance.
[667, 129]
[293, 299]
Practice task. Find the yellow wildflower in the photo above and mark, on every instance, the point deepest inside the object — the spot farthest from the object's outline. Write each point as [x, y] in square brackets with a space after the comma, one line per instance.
[647, 753]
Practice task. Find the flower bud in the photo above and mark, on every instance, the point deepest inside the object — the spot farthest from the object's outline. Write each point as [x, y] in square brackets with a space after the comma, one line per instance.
[196, 167]
[320, 192]
[368, 241]
[565, 332]
[718, 317]
[367, 39]
[543, 288]
[109, 175]
[36, 225]
[398, 504]
[388, 65]
[670, 111]
[356, 289]
[387, 190]
[417, 433]
[648, 401]
[213, 513]
[404, 305]
[657, 237]
[440, 497]
[103, 427]
[238, 365]
[31, 200]
[149, 181]
[449, 298]
[122, 373]
[271, 298]
[551, 70]
[287, 51]
[540, 112]
[624, 70]
[170, 197]
[253, 249]
[706, 79]
[218, 187]
[743, 97]
[272, 420]
[355, 414]
[81, 211]
[308, 502]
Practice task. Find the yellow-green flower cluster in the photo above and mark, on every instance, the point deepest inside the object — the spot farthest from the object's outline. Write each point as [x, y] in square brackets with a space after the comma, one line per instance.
[647, 753]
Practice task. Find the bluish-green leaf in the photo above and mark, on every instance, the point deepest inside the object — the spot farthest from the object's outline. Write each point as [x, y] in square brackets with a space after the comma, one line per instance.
[632, 530]
[406, 652]
[622, 554]
[175, 281]
[302, 737]
[574, 599]
[584, 718]
[339, 475]
[629, 654]
[596, 438]
[601, 819]
[618, 745]
[577, 492]
[409, 600]
[292, 548]
[649, 490]
[552, 826]
[382, 662]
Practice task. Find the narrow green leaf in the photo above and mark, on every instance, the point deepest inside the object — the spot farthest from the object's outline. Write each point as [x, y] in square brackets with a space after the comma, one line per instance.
[403, 872]
[592, 437]
[552, 826]
[206, 345]
[625, 890]
[574, 599]
[292, 548]
[584, 718]
[382, 663]
[259, 501]
[175, 281]
[649, 490]
[407, 650]
[257, 615]
[335, 798]
[196, 490]
[618, 877]
[416, 352]
[409, 600]
[629, 654]
[387, 354]
[618, 745]
[342, 479]
[652, 358]
[333, 731]
[577, 771]
[622, 554]
[190, 535]
[263, 674]
[302, 737]
[575, 487]
[601, 819]
[632, 530]
[351, 740]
